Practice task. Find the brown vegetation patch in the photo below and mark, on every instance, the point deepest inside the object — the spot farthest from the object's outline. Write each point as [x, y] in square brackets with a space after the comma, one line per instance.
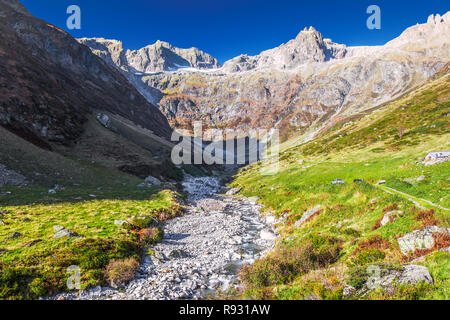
[390, 207]
[119, 272]
[427, 218]
[375, 242]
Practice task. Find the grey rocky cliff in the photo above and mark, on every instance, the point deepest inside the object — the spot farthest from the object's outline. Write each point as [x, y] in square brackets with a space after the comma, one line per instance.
[158, 57]
[298, 87]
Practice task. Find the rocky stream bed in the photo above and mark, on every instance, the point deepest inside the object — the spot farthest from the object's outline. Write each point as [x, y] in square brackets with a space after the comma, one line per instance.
[202, 250]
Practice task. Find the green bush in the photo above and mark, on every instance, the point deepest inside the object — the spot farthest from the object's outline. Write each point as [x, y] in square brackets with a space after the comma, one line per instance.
[367, 256]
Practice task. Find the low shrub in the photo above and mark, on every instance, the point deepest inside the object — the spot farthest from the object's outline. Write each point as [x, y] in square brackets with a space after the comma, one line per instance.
[150, 236]
[283, 264]
[119, 272]
[367, 256]
[390, 207]
[375, 242]
[426, 217]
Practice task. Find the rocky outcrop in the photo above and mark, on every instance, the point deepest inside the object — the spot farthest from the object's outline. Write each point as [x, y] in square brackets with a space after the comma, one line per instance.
[158, 57]
[420, 239]
[307, 215]
[309, 46]
[10, 177]
[49, 83]
[390, 217]
[408, 274]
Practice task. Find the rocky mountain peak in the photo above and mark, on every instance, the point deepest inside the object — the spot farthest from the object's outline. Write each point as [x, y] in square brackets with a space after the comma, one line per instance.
[157, 57]
[436, 19]
[309, 46]
[432, 32]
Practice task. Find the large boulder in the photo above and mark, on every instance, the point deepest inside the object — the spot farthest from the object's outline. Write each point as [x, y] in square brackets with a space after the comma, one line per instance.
[10, 177]
[152, 181]
[233, 191]
[390, 216]
[104, 120]
[420, 239]
[386, 279]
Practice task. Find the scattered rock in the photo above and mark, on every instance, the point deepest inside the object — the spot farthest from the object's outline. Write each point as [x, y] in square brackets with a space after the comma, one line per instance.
[253, 200]
[200, 250]
[32, 242]
[420, 239]
[160, 256]
[271, 219]
[348, 291]
[121, 222]
[212, 205]
[307, 215]
[104, 120]
[178, 254]
[152, 181]
[419, 178]
[390, 216]
[233, 191]
[58, 228]
[411, 274]
[65, 233]
[51, 191]
[267, 235]
[10, 177]
[16, 235]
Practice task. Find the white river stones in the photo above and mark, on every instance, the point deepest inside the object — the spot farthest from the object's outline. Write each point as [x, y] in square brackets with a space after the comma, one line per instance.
[201, 251]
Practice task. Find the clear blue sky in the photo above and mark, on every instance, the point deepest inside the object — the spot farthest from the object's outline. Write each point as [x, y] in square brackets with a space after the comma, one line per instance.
[227, 28]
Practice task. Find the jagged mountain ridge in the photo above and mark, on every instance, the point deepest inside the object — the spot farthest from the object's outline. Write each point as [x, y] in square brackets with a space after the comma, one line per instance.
[49, 83]
[300, 85]
[158, 57]
[309, 46]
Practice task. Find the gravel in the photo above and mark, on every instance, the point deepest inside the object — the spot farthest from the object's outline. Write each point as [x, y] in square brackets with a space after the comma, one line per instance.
[201, 252]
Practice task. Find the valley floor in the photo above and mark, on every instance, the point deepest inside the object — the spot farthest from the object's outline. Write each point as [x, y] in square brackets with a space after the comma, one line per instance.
[201, 251]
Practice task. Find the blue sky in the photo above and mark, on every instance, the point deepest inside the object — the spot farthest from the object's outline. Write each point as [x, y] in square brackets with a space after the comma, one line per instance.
[227, 28]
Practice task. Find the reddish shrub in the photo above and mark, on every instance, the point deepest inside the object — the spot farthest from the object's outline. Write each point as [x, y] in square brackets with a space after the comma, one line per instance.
[149, 235]
[119, 272]
[390, 207]
[427, 218]
[163, 216]
[375, 242]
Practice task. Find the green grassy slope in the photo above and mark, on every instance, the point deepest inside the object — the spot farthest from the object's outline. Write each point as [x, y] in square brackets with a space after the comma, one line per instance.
[336, 245]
